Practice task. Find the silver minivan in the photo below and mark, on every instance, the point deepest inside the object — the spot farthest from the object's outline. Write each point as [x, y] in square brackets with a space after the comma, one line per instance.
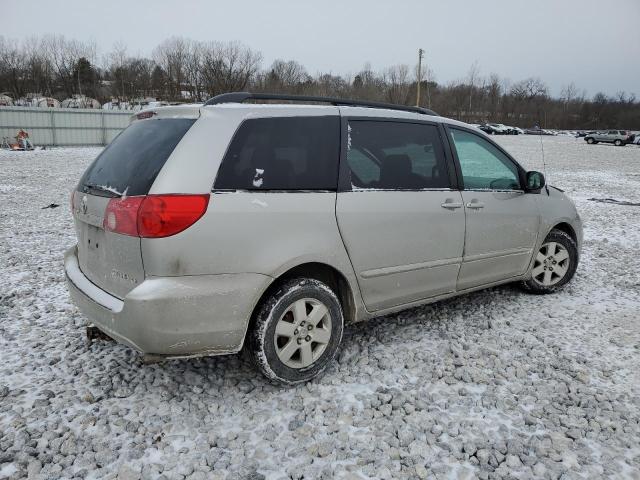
[203, 229]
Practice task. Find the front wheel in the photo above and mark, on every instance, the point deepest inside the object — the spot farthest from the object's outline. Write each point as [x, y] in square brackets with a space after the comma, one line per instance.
[554, 264]
[590, 141]
[297, 331]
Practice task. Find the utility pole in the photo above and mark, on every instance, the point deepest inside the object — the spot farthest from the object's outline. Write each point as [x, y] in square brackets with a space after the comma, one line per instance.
[420, 54]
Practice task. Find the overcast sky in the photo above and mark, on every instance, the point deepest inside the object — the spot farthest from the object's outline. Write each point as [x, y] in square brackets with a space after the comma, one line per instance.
[595, 44]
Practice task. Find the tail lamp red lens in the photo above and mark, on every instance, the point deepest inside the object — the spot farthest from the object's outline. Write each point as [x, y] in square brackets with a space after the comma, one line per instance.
[165, 215]
[121, 215]
[154, 216]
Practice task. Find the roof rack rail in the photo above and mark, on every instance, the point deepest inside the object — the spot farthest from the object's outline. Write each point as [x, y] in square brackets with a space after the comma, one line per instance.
[239, 97]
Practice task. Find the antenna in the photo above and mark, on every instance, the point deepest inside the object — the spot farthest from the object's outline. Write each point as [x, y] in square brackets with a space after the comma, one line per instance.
[420, 54]
[544, 164]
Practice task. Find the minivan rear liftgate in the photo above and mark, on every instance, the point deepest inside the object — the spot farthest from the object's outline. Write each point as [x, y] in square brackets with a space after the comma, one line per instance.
[112, 210]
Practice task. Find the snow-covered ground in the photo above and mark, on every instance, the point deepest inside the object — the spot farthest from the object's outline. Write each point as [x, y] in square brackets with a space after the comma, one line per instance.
[495, 384]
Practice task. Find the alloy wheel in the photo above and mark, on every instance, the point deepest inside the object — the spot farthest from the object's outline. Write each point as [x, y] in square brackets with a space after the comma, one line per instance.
[551, 264]
[302, 333]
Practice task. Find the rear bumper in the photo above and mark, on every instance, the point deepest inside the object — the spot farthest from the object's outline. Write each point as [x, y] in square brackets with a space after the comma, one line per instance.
[172, 316]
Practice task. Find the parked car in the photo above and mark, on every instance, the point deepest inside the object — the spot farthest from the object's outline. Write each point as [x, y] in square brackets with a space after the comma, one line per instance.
[516, 131]
[583, 133]
[538, 131]
[495, 129]
[293, 220]
[500, 128]
[617, 137]
[488, 129]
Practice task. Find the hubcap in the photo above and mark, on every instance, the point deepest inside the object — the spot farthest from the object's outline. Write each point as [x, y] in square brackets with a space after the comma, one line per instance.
[302, 333]
[551, 265]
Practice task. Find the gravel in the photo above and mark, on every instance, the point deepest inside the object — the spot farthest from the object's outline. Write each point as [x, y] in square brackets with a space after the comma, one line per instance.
[496, 384]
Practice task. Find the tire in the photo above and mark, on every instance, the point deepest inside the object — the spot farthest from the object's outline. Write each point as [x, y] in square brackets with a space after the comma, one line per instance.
[590, 141]
[618, 143]
[282, 310]
[565, 254]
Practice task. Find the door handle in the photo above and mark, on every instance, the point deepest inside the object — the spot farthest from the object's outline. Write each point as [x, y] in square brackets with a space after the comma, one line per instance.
[451, 205]
[475, 205]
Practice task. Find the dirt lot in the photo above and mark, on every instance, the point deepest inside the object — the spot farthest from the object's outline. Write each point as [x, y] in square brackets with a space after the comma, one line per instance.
[497, 384]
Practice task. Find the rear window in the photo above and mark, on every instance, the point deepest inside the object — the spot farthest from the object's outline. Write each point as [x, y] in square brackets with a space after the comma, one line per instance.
[296, 153]
[129, 165]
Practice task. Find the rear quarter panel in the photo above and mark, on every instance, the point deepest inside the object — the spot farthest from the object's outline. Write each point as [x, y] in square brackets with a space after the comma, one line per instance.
[252, 232]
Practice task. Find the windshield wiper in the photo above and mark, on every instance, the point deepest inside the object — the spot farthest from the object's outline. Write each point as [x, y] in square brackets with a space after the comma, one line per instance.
[100, 188]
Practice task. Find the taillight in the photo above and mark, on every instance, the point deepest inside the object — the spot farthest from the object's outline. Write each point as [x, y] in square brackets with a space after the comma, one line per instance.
[121, 215]
[154, 216]
[166, 215]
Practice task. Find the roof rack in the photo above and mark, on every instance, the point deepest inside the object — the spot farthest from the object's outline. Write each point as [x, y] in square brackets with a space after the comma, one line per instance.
[239, 97]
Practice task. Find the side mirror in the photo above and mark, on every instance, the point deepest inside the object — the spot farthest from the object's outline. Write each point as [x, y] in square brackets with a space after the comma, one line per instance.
[535, 181]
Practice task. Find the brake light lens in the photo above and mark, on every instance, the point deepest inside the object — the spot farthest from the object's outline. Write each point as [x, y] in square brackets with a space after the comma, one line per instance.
[165, 215]
[121, 215]
[154, 216]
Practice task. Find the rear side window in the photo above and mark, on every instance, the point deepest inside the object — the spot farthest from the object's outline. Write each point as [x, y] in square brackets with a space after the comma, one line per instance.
[396, 156]
[130, 163]
[288, 153]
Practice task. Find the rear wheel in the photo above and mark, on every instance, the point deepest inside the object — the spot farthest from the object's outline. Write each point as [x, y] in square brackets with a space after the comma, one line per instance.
[297, 331]
[618, 143]
[554, 264]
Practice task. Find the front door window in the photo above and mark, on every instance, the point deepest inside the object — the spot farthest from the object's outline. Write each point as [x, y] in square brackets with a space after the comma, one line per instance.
[484, 167]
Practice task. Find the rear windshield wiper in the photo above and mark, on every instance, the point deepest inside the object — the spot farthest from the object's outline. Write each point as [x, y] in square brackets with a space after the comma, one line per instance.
[106, 192]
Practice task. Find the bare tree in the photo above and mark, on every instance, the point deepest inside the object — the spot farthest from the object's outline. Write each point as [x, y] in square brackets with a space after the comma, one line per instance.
[229, 66]
[366, 84]
[64, 55]
[289, 76]
[192, 68]
[171, 55]
[11, 66]
[531, 92]
[397, 83]
[117, 59]
[569, 93]
[473, 76]
[327, 84]
[494, 95]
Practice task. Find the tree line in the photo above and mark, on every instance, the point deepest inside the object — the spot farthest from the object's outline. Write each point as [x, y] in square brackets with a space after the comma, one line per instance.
[185, 70]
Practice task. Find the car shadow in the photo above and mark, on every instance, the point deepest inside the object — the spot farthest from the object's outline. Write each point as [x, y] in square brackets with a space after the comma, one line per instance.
[235, 372]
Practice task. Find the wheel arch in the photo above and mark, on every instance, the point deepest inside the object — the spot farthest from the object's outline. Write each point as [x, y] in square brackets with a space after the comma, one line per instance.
[566, 228]
[323, 272]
